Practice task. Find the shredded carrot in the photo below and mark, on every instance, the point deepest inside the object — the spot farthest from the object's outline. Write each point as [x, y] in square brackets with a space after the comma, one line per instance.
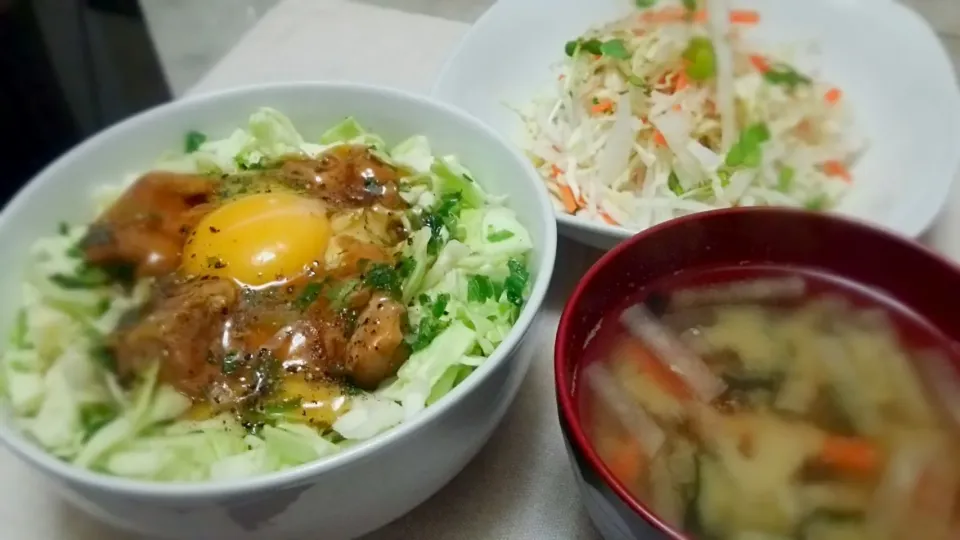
[659, 138]
[607, 219]
[833, 96]
[677, 107]
[837, 169]
[759, 63]
[569, 201]
[660, 374]
[627, 461]
[581, 201]
[682, 81]
[679, 14]
[744, 16]
[851, 454]
[603, 106]
[665, 15]
[555, 171]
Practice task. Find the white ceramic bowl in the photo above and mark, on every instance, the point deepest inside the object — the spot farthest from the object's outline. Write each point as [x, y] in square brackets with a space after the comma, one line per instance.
[887, 59]
[366, 486]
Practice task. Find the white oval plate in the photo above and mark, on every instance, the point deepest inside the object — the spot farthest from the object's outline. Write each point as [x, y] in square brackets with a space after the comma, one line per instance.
[886, 58]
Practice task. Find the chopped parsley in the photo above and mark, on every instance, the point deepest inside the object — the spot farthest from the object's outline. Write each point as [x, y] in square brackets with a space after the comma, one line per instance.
[193, 140]
[499, 236]
[231, 362]
[102, 355]
[283, 406]
[592, 46]
[701, 59]
[785, 178]
[516, 283]
[383, 277]
[94, 416]
[615, 48]
[785, 75]
[747, 151]
[674, 184]
[431, 324]
[445, 215]
[817, 203]
[405, 266]
[308, 295]
[86, 277]
[479, 289]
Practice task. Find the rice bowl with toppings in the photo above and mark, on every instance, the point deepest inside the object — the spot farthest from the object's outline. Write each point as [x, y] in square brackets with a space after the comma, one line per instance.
[185, 335]
[670, 111]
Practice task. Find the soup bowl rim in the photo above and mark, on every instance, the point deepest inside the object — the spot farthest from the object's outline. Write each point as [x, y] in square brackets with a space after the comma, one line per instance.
[566, 365]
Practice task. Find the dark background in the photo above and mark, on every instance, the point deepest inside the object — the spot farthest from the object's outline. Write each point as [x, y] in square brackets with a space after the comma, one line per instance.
[70, 68]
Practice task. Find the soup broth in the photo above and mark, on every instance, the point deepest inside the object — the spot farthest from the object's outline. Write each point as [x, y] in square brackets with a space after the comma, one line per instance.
[778, 406]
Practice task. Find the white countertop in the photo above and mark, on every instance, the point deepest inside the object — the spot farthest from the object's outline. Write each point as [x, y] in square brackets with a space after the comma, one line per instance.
[520, 486]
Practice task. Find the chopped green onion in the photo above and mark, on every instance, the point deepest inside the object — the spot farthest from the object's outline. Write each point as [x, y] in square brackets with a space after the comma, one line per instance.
[383, 277]
[499, 236]
[193, 141]
[785, 178]
[308, 295]
[615, 48]
[94, 416]
[674, 184]
[785, 75]
[231, 361]
[701, 59]
[479, 289]
[516, 283]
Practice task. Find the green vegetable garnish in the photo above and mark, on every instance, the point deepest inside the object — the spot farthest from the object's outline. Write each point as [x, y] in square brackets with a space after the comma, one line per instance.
[86, 277]
[747, 152]
[499, 236]
[817, 203]
[690, 5]
[231, 361]
[592, 46]
[104, 357]
[383, 277]
[193, 141]
[479, 289]
[701, 59]
[785, 178]
[516, 283]
[94, 416]
[439, 307]
[309, 294]
[444, 215]
[63, 228]
[645, 3]
[785, 75]
[430, 324]
[18, 336]
[674, 184]
[615, 49]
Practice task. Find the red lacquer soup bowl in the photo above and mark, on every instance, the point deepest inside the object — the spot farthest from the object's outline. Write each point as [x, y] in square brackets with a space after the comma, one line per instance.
[914, 283]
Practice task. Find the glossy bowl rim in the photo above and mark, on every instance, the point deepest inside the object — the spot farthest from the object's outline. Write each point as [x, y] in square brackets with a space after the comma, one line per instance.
[27, 451]
[564, 381]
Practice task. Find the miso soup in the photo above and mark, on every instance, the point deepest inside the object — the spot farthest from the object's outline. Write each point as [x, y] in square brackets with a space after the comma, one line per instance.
[782, 407]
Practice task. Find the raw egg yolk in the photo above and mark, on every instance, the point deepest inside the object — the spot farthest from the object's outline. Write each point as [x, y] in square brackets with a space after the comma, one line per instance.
[258, 239]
